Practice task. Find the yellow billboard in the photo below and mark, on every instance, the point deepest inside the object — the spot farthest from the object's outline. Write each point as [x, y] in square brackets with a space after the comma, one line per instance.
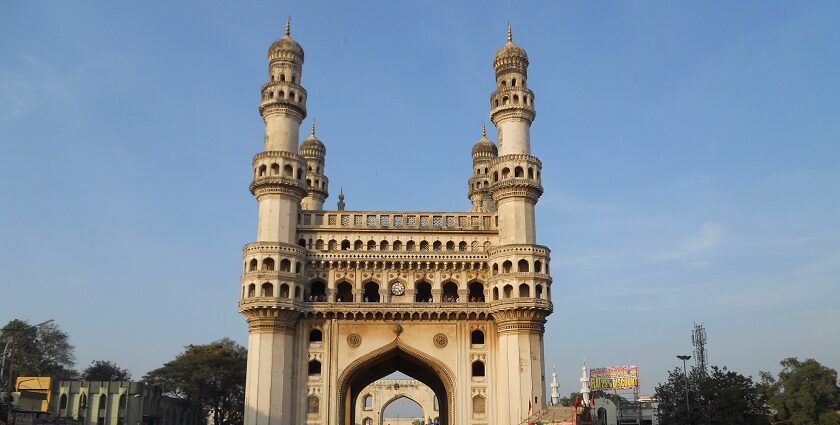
[623, 377]
[34, 392]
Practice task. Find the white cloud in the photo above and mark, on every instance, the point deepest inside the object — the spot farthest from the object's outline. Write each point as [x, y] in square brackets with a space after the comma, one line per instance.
[709, 236]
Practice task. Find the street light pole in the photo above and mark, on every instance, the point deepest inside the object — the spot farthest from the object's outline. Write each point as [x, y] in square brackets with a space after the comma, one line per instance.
[685, 375]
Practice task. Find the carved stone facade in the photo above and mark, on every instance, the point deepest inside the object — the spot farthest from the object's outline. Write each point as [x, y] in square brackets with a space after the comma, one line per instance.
[337, 299]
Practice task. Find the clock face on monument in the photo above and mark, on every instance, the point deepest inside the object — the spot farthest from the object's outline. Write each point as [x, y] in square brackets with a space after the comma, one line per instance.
[397, 288]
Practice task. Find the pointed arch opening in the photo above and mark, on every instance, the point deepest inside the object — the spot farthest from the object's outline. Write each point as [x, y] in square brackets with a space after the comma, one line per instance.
[395, 357]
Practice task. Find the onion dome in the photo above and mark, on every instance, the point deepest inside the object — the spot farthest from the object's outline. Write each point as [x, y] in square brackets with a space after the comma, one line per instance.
[484, 145]
[312, 142]
[286, 46]
[510, 50]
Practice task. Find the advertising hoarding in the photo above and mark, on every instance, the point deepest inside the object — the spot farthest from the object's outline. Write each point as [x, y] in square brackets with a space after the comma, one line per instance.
[623, 377]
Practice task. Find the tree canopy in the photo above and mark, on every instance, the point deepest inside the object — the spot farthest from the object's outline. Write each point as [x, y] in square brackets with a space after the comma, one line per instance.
[104, 370]
[210, 378]
[805, 393]
[721, 397]
[39, 351]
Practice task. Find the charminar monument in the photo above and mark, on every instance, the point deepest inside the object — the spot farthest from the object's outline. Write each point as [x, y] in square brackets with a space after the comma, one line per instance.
[337, 299]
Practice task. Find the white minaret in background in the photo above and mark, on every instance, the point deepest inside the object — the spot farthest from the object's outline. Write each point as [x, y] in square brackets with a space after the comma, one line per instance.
[584, 384]
[555, 388]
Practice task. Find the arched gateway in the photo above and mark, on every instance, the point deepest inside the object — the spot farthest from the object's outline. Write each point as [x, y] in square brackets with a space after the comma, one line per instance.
[337, 299]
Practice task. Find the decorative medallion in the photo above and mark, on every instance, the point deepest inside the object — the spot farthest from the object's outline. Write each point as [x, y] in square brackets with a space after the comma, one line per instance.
[354, 340]
[457, 276]
[441, 340]
[398, 329]
[365, 275]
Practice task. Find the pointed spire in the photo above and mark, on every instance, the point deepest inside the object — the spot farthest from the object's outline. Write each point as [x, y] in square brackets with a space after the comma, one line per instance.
[484, 130]
[312, 131]
[341, 200]
[288, 32]
[510, 33]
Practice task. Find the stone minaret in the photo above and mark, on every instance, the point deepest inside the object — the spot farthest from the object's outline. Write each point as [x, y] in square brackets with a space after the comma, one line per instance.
[270, 393]
[515, 187]
[317, 184]
[484, 152]
[584, 384]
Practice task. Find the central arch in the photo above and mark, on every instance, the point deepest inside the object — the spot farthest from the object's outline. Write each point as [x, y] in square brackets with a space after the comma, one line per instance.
[395, 357]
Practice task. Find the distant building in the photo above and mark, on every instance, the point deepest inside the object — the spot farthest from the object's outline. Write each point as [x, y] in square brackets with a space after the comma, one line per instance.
[116, 403]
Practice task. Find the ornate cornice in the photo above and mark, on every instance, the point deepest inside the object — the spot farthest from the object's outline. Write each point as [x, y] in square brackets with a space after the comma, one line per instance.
[267, 185]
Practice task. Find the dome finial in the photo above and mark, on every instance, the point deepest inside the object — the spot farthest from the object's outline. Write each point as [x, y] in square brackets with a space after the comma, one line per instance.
[312, 132]
[288, 32]
[510, 33]
[483, 129]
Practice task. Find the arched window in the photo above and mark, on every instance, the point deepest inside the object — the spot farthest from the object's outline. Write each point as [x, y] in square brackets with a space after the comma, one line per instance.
[495, 269]
[479, 405]
[518, 172]
[497, 102]
[513, 82]
[262, 171]
[538, 291]
[508, 291]
[268, 265]
[332, 245]
[367, 402]
[252, 290]
[530, 173]
[505, 172]
[477, 337]
[523, 266]
[474, 246]
[345, 245]
[516, 98]
[285, 265]
[83, 401]
[62, 402]
[476, 292]
[313, 404]
[524, 291]
[383, 246]
[409, 246]
[284, 291]
[504, 83]
[371, 292]
[308, 182]
[358, 245]
[450, 292]
[302, 242]
[538, 266]
[462, 246]
[477, 369]
[252, 265]
[267, 290]
[102, 402]
[275, 169]
[450, 246]
[367, 421]
[282, 77]
[300, 173]
[314, 368]
[505, 100]
[371, 245]
[288, 171]
[424, 246]
[495, 176]
[397, 246]
[344, 292]
[423, 292]
[495, 294]
[297, 292]
[315, 335]
[123, 403]
[506, 266]
[317, 291]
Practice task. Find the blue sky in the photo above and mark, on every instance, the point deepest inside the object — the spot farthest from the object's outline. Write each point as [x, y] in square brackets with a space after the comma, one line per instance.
[690, 154]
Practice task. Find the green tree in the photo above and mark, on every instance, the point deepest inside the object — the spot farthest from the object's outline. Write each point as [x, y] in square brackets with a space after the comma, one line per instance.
[805, 393]
[38, 351]
[721, 397]
[210, 378]
[103, 370]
